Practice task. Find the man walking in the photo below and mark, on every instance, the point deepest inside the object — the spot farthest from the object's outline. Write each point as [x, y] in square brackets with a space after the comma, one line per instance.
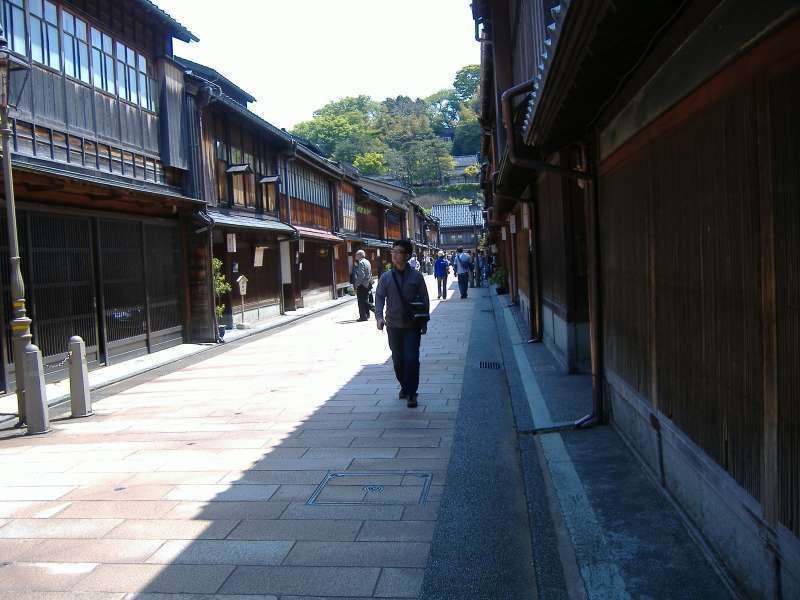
[441, 269]
[462, 265]
[361, 278]
[397, 289]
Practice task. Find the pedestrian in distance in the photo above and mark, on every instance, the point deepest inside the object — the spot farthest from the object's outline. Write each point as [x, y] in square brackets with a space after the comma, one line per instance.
[413, 262]
[361, 279]
[403, 293]
[462, 266]
[441, 270]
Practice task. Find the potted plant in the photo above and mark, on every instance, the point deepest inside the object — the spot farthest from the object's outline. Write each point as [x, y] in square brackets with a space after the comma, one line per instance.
[500, 279]
[221, 287]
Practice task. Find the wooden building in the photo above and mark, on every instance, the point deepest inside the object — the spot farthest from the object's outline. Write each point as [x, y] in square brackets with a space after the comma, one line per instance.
[458, 225]
[105, 211]
[642, 187]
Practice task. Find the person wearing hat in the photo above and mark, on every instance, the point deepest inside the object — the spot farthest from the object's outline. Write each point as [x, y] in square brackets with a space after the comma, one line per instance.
[441, 268]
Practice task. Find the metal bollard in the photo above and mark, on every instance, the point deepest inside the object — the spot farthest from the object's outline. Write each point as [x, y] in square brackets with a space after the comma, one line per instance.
[79, 396]
[36, 409]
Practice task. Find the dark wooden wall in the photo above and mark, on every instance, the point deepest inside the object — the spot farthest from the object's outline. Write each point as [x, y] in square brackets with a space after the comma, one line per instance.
[700, 239]
[310, 215]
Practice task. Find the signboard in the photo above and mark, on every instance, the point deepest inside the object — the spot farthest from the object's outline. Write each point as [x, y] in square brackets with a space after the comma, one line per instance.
[526, 216]
[336, 252]
[349, 247]
[242, 281]
[258, 261]
[301, 246]
[231, 239]
[503, 233]
[512, 222]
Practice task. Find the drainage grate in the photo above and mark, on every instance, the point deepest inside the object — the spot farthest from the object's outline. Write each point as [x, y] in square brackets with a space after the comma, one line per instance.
[382, 488]
[490, 365]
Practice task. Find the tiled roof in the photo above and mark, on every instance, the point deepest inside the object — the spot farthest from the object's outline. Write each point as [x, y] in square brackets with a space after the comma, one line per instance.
[177, 30]
[456, 215]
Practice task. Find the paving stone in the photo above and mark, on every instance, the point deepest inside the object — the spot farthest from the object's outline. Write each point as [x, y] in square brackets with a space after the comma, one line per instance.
[396, 442]
[275, 477]
[196, 579]
[397, 531]
[227, 510]
[119, 491]
[301, 464]
[33, 577]
[359, 554]
[294, 493]
[421, 512]
[58, 528]
[405, 464]
[176, 477]
[302, 529]
[162, 529]
[11, 549]
[19, 595]
[221, 552]
[149, 596]
[399, 583]
[222, 493]
[44, 492]
[338, 581]
[121, 509]
[91, 551]
[349, 512]
[351, 453]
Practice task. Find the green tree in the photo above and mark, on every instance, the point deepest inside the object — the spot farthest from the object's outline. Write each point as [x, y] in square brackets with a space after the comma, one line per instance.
[371, 163]
[467, 138]
[465, 84]
[472, 170]
[442, 111]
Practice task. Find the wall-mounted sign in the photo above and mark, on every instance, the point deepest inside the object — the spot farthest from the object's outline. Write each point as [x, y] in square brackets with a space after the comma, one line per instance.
[231, 239]
[336, 252]
[512, 223]
[235, 267]
[349, 247]
[526, 216]
[503, 233]
[301, 246]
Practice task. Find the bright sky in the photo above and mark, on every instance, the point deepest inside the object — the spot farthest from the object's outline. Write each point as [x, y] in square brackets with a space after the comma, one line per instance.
[296, 55]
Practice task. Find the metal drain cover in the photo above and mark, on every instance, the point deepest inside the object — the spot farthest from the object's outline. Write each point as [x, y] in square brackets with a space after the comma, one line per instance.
[381, 488]
[490, 365]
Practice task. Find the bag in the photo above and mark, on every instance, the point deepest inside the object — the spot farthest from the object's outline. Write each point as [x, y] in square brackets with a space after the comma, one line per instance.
[415, 310]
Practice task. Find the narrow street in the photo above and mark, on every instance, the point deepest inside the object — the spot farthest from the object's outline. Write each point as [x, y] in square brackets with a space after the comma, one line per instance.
[285, 466]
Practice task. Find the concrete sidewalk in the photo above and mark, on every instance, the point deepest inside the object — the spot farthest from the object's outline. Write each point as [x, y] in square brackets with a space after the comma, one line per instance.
[58, 391]
[600, 525]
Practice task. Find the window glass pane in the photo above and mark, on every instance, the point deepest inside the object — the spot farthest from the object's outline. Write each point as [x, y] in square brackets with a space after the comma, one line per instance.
[70, 66]
[107, 43]
[132, 89]
[96, 38]
[131, 57]
[68, 23]
[127, 163]
[97, 68]
[121, 80]
[109, 73]
[139, 164]
[120, 51]
[24, 137]
[143, 90]
[75, 150]
[159, 172]
[17, 29]
[43, 143]
[150, 174]
[60, 146]
[36, 7]
[90, 152]
[116, 160]
[142, 64]
[83, 61]
[37, 45]
[52, 44]
[103, 157]
[50, 14]
[80, 29]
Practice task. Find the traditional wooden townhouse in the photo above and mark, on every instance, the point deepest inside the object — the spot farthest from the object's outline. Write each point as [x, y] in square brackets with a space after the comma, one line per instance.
[459, 225]
[431, 229]
[237, 167]
[399, 214]
[309, 182]
[346, 227]
[105, 211]
[642, 186]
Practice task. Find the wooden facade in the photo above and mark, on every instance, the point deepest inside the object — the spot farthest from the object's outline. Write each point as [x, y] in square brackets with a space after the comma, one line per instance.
[665, 218]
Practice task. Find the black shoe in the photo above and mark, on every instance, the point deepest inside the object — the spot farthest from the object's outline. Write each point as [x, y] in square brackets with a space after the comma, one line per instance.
[412, 401]
[402, 395]
[361, 319]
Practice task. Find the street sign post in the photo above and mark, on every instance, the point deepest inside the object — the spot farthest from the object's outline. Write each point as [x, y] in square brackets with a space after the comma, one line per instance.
[242, 282]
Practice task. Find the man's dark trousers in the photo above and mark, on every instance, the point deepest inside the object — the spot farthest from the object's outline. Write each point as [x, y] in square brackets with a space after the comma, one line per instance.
[404, 343]
[441, 286]
[362, 294]
[463, 284]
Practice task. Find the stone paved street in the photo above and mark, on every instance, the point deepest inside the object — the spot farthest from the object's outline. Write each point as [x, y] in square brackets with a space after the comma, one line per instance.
[207, 480]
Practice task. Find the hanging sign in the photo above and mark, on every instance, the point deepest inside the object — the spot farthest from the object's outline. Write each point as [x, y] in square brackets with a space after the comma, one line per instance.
[503, 233]
[258, 261]
[231, 238]
[512, 222]
[336, 252]
[526, 216]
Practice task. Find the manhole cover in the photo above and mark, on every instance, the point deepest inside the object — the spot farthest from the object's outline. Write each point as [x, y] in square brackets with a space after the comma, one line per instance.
[386, 487]
[490, 365]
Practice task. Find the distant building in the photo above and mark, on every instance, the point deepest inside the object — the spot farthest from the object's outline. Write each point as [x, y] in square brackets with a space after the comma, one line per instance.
[458, 225]
[457, 175]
